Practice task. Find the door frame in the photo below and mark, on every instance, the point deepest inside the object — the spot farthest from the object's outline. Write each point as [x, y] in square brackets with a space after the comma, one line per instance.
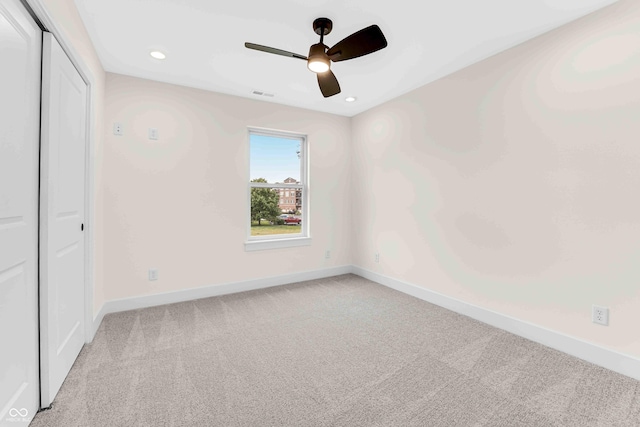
[46, 21]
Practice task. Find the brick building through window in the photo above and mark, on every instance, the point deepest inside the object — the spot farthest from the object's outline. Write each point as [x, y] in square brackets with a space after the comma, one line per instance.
[290, 199]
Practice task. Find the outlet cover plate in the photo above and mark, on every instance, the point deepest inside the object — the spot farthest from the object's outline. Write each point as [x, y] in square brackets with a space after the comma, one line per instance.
[153, 274]
[600, 315]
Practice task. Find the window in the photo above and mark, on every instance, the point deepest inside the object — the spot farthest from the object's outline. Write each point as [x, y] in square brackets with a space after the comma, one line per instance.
[277, 174]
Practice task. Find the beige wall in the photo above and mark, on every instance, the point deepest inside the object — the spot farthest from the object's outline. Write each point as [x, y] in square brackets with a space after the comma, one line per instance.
[514, 184]
[66, 18]
[167, 202]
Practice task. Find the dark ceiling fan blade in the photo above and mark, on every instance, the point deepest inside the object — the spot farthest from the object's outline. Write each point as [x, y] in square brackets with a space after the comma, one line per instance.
[328, 83]
[363, 42]
[274, 50]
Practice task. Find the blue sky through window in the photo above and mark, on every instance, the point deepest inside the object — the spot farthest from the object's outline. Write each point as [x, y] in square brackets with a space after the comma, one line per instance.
[273, 158]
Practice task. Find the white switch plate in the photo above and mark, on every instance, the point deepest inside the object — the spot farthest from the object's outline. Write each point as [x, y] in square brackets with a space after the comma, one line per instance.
[153, 274]
[117, 129]
[327, 254]
[153, 133]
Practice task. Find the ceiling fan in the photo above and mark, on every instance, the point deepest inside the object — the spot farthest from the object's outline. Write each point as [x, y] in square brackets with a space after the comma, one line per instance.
[360, 43]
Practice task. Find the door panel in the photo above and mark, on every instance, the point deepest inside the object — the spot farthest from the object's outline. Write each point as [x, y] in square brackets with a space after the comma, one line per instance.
[62, 254]
[20, 44]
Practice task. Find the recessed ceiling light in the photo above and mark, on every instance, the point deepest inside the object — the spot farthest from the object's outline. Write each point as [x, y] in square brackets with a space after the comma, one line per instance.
[157, 54]
[350, 99]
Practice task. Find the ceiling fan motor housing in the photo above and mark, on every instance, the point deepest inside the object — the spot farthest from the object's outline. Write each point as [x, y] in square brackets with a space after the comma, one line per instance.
[318, 51]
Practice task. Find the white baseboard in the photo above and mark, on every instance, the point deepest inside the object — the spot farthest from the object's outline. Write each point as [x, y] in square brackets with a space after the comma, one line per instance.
[606, 358]
[134, 303]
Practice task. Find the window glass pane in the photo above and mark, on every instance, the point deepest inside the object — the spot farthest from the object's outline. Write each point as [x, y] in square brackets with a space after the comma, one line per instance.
[274, 159]
[271, 215]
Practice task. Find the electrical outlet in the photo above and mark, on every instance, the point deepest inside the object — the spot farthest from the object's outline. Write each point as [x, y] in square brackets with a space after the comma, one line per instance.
[377, 257]
[153, 133]
[600, 315]
[117, 129]
[327, 254]
[153, 274]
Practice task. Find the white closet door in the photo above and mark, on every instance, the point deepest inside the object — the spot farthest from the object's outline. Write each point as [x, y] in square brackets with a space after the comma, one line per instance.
[62, 249]
[20, 47]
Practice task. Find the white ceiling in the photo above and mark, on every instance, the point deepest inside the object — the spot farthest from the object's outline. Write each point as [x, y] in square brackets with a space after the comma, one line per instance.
[204, 42]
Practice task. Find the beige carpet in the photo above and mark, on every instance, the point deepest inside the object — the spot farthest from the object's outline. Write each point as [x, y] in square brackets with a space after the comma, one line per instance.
[342, 351]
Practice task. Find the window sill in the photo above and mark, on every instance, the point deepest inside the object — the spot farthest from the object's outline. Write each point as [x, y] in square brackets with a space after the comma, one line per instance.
[260, 245]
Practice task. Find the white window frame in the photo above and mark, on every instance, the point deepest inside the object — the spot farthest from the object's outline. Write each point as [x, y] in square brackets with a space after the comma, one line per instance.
[277, 241]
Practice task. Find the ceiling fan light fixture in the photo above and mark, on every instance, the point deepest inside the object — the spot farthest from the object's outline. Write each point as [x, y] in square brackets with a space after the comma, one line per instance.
[318, 60]
[318, 66]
